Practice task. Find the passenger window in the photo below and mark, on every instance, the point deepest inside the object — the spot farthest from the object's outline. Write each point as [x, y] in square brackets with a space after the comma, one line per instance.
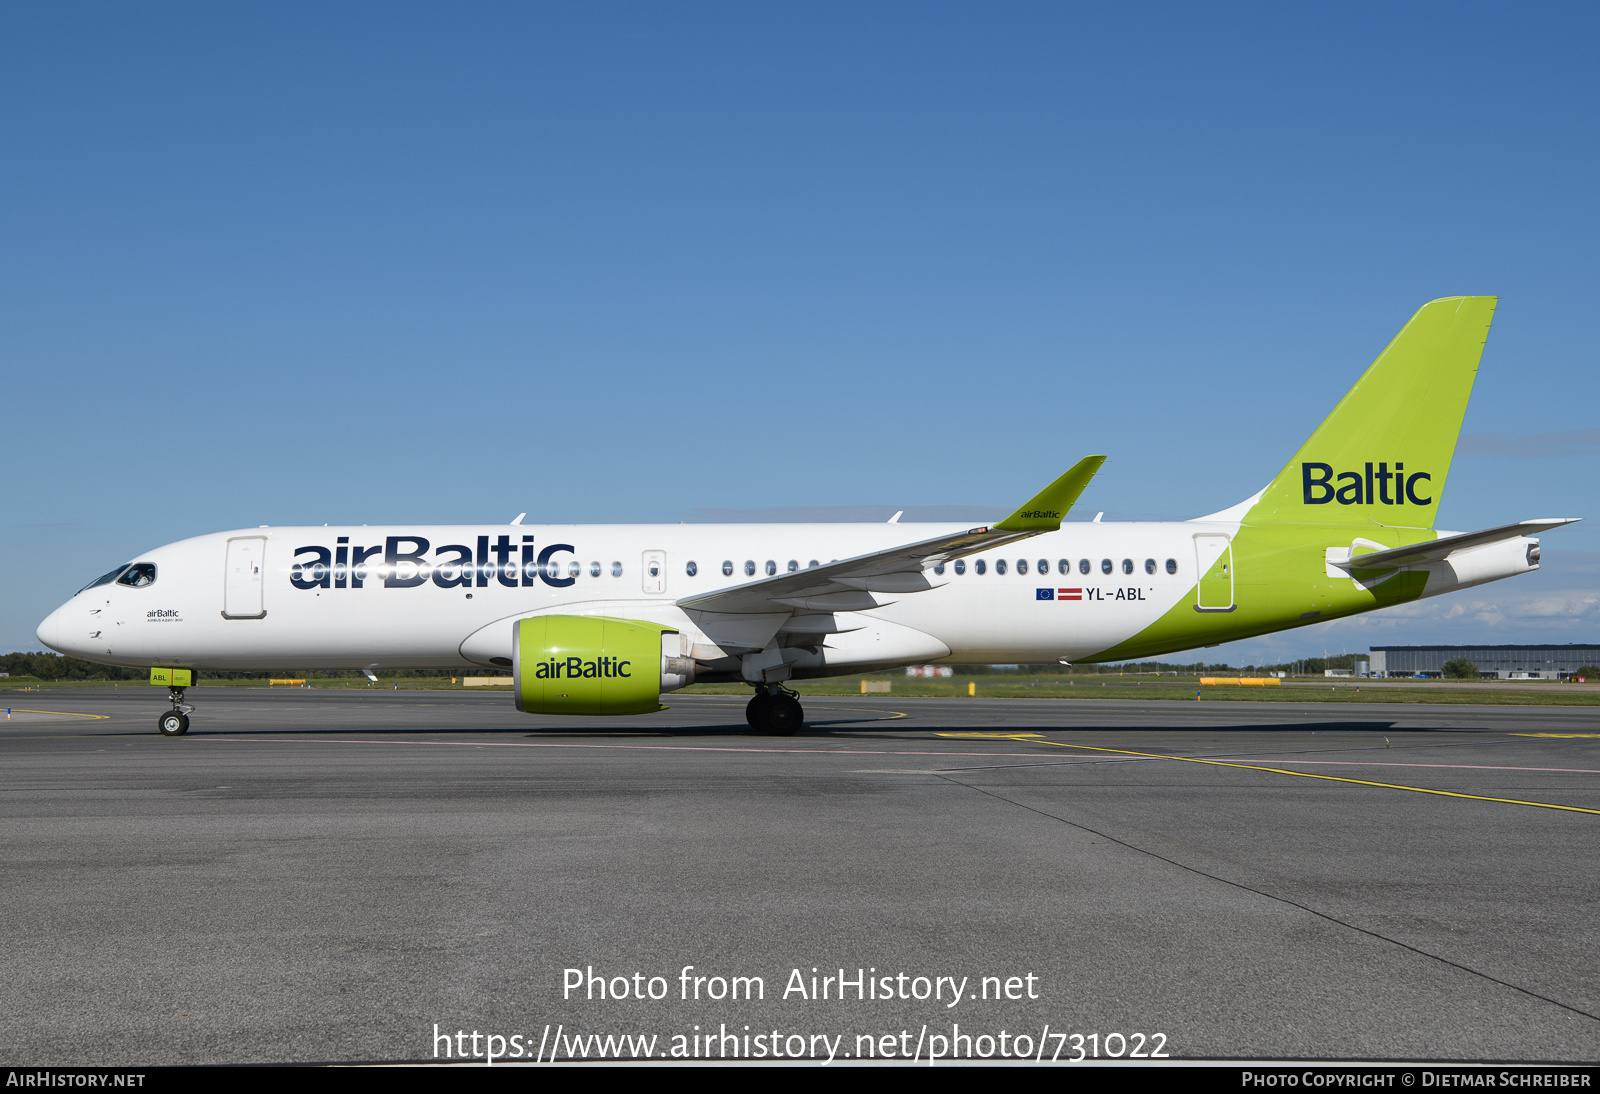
[594, 569]
[616, 569]
[1064, 565]
[574, 569]
[1022, 566]
[1083, 565]
[961, 565]
[1044, 566]
[793, 565]
[772, 567]
[938, 568]
[812, 565]
[654, 568]
[138, 575]
[999, 565]
[749, 568]
[979, 566]
[1149, 565]
[1105, 566]
[1172, 565]
[1127, 565]
[727, 568]
[690, 568]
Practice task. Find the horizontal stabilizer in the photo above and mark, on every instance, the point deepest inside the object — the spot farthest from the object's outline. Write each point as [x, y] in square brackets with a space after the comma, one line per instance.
[1439, 549]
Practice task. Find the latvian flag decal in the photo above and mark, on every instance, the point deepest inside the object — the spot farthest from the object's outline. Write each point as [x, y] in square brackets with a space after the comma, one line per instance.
[1071, 594]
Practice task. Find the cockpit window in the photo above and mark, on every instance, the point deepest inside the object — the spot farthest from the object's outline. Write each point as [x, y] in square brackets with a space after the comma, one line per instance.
[106, 580]
[138, 575]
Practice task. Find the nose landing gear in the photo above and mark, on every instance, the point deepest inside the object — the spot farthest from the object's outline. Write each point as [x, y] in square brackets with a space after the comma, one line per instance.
[775, 711]
[175, 722]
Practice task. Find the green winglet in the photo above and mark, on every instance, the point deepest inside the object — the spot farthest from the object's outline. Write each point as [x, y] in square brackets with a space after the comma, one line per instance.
[1045, 509]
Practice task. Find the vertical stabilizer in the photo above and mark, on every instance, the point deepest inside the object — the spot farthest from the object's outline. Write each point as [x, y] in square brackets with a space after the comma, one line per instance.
[1382, 456]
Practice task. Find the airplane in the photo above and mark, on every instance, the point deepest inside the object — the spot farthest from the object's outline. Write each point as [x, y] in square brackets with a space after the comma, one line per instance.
[607, 619]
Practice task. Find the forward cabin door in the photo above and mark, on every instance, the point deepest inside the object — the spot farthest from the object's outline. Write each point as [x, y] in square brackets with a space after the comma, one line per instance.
[241, 592]
[1214, 559]
[655, 571]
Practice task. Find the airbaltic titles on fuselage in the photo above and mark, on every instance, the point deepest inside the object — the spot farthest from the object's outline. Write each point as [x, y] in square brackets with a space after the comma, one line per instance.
[405, 564]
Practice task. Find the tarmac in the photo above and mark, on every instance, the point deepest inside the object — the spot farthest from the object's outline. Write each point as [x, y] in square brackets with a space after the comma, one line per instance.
[347, 876]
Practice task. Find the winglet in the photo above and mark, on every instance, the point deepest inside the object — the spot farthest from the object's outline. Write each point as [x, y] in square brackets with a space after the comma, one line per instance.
[1044, 510]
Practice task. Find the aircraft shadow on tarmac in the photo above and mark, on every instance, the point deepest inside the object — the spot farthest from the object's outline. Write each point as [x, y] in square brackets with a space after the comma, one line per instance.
[835, 728]
[990, 730]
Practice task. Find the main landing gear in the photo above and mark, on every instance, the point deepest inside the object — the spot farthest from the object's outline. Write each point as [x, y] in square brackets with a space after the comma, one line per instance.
[175, 722]
[775, 711]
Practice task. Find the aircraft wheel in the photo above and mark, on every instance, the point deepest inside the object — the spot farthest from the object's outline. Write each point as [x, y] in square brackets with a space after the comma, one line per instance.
[782, 717]
[173, 723]
[753, 709]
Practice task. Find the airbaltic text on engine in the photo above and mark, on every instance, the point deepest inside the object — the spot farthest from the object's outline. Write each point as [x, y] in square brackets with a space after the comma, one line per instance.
[579, 669]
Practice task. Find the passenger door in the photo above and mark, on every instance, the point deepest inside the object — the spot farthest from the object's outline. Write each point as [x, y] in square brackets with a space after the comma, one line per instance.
[1214, 558]
[241, 593]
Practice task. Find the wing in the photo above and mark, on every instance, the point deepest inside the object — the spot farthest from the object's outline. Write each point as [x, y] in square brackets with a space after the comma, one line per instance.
[901, 569]
[1435, 550]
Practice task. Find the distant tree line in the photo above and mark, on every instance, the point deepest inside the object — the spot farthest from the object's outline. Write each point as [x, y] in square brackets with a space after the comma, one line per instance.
[52, 666]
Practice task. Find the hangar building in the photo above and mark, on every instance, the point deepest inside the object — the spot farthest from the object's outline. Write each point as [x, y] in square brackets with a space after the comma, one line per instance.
[1503, 662]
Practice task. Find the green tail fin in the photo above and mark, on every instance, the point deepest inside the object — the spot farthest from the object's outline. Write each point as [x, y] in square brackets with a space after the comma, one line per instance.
[1383, 454]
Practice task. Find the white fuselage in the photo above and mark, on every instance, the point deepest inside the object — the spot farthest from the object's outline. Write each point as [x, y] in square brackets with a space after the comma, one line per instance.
[201, 609]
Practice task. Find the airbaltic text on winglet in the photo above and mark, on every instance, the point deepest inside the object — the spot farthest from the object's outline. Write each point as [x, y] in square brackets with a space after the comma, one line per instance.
[1317, 484]
[1036, 514]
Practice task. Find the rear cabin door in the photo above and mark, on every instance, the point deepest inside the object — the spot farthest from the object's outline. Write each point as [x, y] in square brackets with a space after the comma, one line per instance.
[1214, 559]
[241, 593]
[654, 571]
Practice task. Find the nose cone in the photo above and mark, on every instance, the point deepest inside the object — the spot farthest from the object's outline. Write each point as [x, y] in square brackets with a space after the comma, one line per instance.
[50, 632]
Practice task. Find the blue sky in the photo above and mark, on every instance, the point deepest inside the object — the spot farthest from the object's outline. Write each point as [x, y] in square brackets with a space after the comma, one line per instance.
[385, 263]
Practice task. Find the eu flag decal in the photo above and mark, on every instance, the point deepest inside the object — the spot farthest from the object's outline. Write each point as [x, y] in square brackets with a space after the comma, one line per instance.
[1045, 594]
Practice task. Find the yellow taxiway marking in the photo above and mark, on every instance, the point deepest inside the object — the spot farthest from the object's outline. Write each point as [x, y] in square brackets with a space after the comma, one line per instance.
[998, 736]
[1310, 775]
[1556, 735]
[63, 713]
[892, 714]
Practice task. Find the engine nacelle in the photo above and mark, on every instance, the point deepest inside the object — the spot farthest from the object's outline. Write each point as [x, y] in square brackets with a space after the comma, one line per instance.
[1479, 565]
[593, 664]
